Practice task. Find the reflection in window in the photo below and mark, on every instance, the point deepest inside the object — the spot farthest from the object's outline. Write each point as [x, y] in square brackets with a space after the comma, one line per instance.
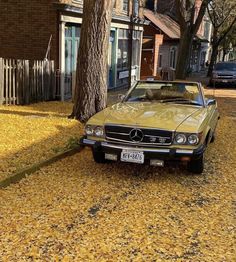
[123, 47]
[125, 7]
[68, 31]
[136, 48]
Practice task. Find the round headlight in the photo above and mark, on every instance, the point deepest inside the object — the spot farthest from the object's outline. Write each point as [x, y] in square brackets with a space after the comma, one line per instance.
[193, 139]
[98, 131]
[89, 130]
[180, 139]
[214, 75]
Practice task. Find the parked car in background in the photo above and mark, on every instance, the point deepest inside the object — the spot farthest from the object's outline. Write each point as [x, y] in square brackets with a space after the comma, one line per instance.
[224, 73]
[156, 122]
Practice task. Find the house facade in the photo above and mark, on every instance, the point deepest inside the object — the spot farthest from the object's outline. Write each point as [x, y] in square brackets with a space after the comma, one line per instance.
[160, 43]
[33, 30]
[163, 24]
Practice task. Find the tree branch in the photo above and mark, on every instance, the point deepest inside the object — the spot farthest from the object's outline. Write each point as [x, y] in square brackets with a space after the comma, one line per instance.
[227, 31]
[200, 16]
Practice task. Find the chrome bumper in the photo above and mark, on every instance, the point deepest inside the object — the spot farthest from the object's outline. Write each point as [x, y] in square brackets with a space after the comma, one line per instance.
[165, 151]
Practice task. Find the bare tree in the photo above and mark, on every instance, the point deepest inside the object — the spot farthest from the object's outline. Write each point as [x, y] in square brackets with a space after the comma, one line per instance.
[91, 76]
[190, 17]
[223, 17]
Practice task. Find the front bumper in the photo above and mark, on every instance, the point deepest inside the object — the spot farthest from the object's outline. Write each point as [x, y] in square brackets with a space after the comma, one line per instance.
[224, 80]
[162, 153]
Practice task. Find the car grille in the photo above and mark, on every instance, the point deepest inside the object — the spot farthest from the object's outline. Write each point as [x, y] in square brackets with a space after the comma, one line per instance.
[225, 76]
[150, 136]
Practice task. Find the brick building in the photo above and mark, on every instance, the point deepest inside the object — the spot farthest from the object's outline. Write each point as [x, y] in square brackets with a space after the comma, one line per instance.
[27, 26]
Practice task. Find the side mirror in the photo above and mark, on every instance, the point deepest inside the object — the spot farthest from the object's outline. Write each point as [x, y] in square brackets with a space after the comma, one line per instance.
[211, 102]
[121, 97]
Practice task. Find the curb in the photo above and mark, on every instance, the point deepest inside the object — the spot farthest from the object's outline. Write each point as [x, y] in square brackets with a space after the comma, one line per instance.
[13, 179]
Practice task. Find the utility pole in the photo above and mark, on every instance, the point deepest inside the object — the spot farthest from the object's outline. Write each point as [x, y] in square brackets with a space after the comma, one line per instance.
[155, 6]
[132, 19]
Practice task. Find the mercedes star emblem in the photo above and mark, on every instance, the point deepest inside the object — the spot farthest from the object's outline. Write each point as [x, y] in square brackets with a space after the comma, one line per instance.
[136, 135]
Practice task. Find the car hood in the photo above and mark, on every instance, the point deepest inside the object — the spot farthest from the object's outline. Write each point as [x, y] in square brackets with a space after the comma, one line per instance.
[153, 115]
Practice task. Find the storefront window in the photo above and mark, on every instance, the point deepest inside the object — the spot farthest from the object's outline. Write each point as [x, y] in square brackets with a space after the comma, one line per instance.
[123, 47]
[123, 57]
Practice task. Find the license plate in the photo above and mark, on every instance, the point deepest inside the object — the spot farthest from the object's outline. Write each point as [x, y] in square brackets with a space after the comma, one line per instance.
[224, 81]
[132, 156]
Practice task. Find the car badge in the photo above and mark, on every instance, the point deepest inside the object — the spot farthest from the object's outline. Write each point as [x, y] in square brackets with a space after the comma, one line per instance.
[162, 140]
[136, 135]
[153, 139]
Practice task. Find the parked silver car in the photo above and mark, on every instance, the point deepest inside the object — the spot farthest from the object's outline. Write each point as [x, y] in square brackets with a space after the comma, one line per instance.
[224, 73]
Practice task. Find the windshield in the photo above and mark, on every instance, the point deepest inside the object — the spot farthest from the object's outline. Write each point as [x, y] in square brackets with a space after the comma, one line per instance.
[164, 92]
[226, 67]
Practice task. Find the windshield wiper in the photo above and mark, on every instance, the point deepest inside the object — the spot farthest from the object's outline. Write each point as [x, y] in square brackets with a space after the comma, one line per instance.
[181, 100]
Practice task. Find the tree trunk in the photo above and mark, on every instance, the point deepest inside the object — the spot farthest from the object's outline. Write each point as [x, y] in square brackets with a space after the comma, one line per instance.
[91, 75]
[213, 59]
[184, 52]
[215, 45]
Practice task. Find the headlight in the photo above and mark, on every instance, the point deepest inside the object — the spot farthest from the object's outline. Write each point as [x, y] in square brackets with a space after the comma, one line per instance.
[98, 131]
[214, 75]
[180, 139]
[89, 130]
[193, 139]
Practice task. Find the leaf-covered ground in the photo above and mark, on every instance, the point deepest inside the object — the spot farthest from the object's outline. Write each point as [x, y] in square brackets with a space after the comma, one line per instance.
[30, 134]
[76, 210]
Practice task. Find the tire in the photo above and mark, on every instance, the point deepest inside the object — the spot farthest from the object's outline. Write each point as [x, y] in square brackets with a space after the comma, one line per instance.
[196, 166]
[213, 138]
[210, 84]
[99, 157]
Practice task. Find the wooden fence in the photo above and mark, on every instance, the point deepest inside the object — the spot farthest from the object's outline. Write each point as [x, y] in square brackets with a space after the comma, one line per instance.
[24, 82]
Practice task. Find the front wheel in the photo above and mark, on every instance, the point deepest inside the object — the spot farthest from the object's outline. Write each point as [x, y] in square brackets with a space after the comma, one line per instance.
[99, 157]
[196, 166]
[213, 138]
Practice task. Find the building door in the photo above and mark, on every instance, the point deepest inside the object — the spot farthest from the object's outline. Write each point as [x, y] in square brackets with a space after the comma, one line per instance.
[72, 38]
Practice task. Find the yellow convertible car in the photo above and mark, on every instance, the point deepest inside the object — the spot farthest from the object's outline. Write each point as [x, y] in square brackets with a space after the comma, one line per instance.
[156, 122]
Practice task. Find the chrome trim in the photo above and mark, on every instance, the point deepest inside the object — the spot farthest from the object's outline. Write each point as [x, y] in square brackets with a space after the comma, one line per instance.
[89, 142]
[157, 150]
[137, 144]
[136, 126]
[123, 134]
[158, 136]
[184, 151]
[141, 128]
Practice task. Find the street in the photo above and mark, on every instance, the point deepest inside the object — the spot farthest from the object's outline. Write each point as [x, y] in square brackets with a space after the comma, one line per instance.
[77, 210]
